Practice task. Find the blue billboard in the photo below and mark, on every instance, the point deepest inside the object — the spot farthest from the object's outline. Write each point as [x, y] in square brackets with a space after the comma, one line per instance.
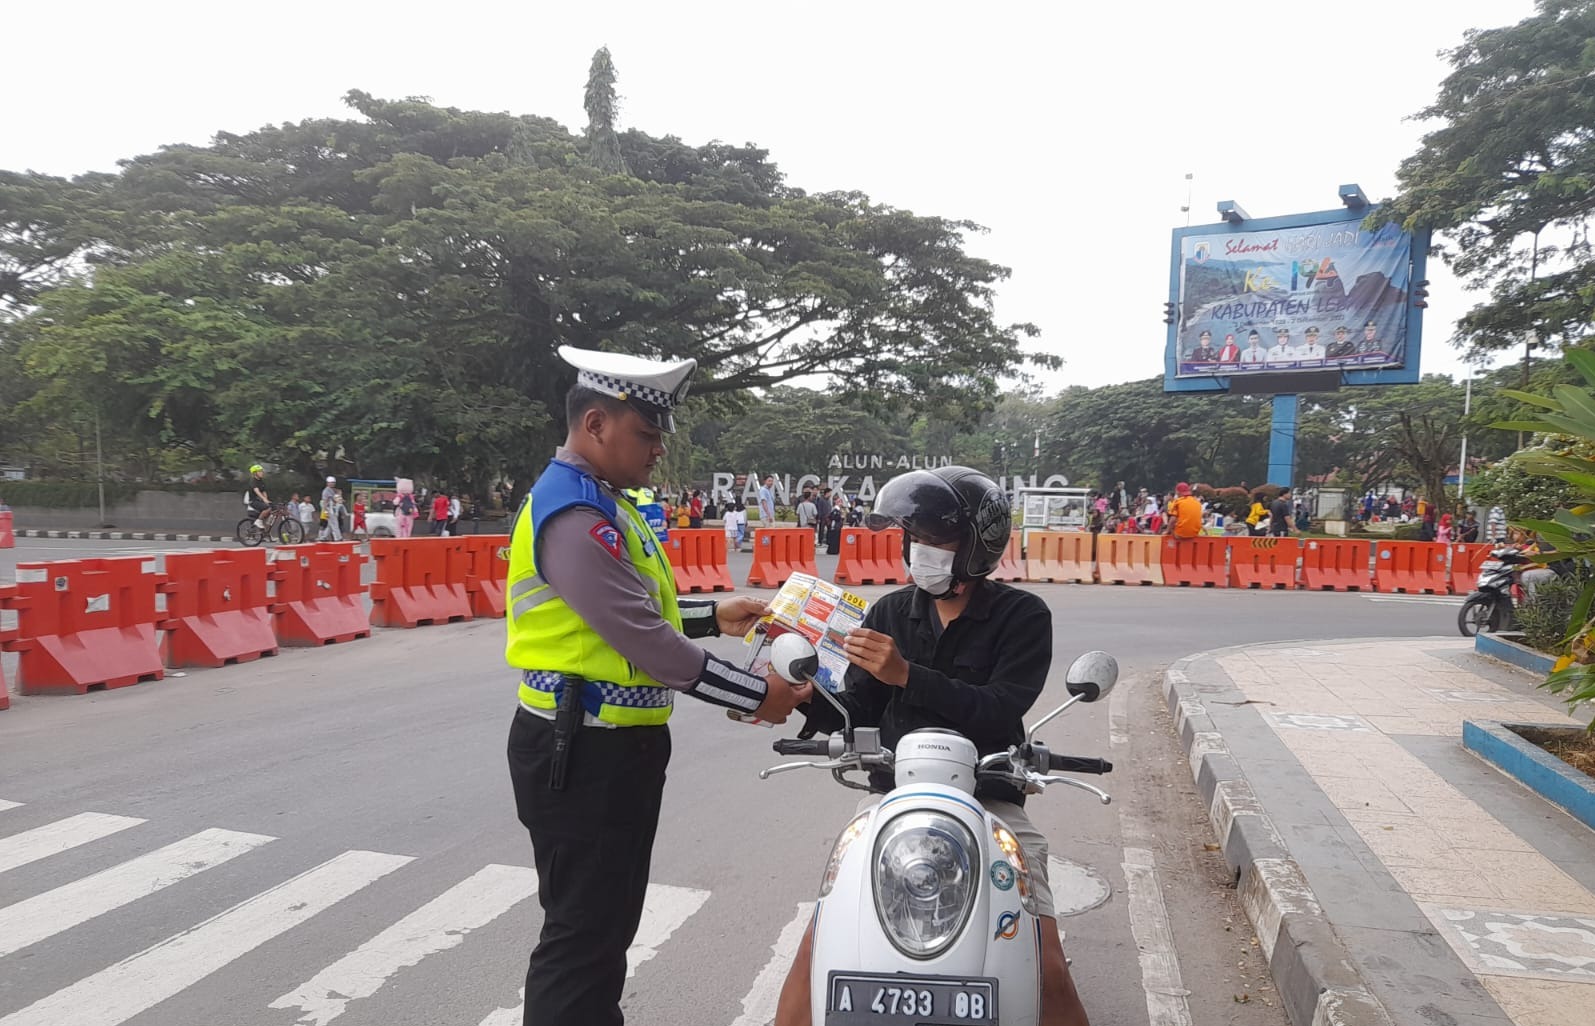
[1304, 294]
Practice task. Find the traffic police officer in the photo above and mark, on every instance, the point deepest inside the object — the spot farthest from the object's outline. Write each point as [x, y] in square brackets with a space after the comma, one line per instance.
[601, 641]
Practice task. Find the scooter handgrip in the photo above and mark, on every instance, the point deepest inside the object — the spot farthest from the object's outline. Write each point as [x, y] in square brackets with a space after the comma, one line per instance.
[801, 746]
[1076, 764]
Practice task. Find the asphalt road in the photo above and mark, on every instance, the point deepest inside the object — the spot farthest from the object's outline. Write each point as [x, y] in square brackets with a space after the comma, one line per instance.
[345, 847]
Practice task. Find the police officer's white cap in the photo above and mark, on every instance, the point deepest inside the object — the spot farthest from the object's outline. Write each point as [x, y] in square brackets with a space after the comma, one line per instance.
[651, 387]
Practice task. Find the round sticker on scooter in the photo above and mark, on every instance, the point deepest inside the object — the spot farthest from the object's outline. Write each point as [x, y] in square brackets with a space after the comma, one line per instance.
[1002, 875]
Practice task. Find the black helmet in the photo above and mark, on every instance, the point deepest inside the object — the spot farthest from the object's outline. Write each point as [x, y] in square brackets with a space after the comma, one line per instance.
[948, 504]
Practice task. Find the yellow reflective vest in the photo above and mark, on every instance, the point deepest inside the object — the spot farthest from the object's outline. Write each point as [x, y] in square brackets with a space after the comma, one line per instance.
[548, 641]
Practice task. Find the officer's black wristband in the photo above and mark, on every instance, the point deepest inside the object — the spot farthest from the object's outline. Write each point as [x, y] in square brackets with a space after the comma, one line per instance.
[720, 683]
[698, 619]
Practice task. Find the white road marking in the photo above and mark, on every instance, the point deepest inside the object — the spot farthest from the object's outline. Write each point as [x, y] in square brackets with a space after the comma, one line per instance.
[1166, 1003]
[1119, 716]
[45, 915]
[63, 834]
[4, 805]
[758, 1006]
[664, 909]
[140, 982]
[1426, 600]
[440, 924]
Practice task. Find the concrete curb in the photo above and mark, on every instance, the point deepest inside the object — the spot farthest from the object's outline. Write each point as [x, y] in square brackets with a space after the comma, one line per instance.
[1501, 647]
[1532, 766]
[123, 535]
[1313, 972]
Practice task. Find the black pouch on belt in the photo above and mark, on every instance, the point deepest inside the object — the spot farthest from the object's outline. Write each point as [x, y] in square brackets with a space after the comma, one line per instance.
[567, 723]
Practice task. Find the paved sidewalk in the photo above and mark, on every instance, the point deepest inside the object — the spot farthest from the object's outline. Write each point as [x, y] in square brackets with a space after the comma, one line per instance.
[1391, 876]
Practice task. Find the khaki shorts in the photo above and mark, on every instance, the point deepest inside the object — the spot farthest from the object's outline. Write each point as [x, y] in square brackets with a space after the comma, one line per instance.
[1031, 840]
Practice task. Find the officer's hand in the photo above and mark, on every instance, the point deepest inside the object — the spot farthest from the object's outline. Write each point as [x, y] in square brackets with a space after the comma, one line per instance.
[876, 653]
[736, 616]
[780, 698]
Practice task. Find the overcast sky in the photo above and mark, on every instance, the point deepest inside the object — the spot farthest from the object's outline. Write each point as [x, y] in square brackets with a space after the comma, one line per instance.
[1066, 129]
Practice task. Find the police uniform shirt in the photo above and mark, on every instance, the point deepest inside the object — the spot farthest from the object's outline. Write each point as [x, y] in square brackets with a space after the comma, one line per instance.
[601, 586]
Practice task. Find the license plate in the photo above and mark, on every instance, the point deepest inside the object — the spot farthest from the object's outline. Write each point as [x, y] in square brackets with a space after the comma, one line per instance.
[920, 1000]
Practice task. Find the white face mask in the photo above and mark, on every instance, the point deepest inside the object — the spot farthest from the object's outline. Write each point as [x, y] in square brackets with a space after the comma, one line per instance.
[931, 568]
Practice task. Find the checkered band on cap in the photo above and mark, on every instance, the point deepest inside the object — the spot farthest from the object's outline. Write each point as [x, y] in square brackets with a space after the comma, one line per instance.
[640, 696]
[611, 385]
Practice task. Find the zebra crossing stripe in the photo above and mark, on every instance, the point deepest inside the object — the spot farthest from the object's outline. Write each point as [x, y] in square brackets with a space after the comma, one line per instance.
[45, 915]
[62, 835]
[140, 982]
[664, 909]
[758, 1007]
[440, 924]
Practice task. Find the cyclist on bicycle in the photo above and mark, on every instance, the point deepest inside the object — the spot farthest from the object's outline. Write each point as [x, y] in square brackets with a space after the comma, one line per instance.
[256, 498]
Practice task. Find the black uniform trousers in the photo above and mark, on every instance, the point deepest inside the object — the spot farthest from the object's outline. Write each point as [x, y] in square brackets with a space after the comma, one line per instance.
[592, 843]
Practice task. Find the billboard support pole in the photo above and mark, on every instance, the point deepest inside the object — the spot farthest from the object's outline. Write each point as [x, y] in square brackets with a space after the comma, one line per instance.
[1282, 442]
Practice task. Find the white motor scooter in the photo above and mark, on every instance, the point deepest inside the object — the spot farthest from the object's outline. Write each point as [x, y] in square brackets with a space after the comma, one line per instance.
[926, 914]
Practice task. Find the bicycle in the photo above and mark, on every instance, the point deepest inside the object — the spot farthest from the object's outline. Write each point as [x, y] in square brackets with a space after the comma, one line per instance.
[281, 527]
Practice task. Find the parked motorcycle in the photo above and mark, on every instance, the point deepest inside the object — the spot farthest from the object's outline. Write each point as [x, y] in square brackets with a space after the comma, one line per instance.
[926, 913]
[1496, 594]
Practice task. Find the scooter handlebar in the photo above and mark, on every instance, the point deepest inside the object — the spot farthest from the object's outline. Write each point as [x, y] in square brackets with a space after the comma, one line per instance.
[1077, 764]
[801, 746]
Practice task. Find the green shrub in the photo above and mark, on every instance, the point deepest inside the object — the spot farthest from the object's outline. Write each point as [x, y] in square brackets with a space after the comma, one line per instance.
[1408, 532]
[1545, 620]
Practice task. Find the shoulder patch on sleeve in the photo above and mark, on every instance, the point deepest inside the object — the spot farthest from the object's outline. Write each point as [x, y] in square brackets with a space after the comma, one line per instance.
[605, 534]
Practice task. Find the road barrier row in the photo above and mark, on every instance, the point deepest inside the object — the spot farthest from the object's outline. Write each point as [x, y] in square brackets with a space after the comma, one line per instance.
[95, 624]
[91, 624]
[1315, 564]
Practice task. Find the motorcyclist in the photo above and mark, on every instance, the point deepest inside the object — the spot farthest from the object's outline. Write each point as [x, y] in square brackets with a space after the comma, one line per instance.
[954, 650]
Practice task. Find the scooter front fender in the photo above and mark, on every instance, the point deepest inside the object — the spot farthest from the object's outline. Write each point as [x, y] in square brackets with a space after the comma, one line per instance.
[1000, 940]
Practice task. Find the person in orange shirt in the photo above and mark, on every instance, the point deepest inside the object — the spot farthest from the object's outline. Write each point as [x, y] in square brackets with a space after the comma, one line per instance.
[1185, 520]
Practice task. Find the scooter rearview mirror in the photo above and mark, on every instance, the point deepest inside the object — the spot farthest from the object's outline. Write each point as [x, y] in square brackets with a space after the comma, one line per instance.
[1092, 676]
[793, 658]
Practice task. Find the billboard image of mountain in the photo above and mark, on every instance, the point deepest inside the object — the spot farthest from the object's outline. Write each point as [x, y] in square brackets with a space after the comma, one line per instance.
[1307, 298]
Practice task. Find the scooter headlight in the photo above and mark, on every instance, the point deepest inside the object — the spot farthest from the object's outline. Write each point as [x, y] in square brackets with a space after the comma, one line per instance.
[924, 881]
[853, 832]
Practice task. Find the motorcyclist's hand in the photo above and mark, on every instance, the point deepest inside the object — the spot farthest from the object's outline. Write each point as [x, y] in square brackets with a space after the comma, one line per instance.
[780, 698]
[877, 653]
[736, 616]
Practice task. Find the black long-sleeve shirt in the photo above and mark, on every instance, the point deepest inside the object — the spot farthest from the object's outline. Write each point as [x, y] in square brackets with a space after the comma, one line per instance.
[979, 675]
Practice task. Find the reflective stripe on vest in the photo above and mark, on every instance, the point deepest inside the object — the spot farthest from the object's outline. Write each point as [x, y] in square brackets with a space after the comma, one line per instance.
[547, 636]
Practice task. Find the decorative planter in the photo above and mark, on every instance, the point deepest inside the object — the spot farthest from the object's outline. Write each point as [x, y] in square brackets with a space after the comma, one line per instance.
[1502, 745]
[1503, 647]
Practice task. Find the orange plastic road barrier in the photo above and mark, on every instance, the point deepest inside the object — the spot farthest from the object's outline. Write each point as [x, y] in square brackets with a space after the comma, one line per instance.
[1130, 558]
[780, 552]
[1410, 567]
[1011, 567]
[419, 581]
[1465, 560]
[217, 609]
[488, 556]
[84, 625]
[1334, 565]
[1263, 562]
[1060, 556]
[7, 592]
[871, 557]
[8, 533]
[698, 558]
[1195, 561]
[320, 599]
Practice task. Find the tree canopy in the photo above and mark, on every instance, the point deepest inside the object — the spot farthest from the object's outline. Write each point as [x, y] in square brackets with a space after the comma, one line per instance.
[385, 293]
[1508, 177]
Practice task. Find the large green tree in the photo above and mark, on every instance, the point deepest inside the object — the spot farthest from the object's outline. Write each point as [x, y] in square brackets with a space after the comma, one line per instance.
[387, 292]
[1508, 177]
